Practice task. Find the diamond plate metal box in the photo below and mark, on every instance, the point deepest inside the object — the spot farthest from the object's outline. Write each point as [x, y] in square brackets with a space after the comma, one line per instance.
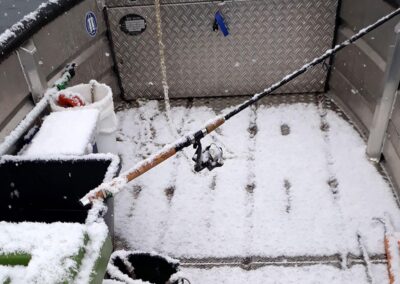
[268, 39]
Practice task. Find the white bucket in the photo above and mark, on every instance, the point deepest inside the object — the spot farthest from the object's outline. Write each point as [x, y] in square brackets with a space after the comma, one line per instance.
[98, 96]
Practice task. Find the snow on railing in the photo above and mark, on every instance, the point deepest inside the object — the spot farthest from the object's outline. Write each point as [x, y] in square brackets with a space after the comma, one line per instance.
[18, 33]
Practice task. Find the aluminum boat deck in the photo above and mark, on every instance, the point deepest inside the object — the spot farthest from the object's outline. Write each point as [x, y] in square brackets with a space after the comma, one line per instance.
[296, 192]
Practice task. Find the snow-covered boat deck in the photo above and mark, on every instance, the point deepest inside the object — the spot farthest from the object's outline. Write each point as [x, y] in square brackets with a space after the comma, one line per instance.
[297, 201]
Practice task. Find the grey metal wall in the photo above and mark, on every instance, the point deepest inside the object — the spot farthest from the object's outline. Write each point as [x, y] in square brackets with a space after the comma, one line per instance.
[66, 40]
[267, 40]
[14, 90]
[62, 41]
[357, 77]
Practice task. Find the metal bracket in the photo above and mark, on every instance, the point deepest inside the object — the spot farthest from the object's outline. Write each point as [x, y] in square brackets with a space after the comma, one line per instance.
[30, 67]
[384, 108]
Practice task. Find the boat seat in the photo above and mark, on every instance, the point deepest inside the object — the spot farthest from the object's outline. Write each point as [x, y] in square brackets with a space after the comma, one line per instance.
[70, 132]
[51, 173]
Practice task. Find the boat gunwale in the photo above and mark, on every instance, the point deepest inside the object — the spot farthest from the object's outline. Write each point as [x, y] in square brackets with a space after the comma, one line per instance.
[26, 27]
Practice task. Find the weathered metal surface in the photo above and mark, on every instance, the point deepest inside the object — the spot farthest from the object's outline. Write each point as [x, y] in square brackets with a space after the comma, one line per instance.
[392, 158]
[63, 40]
[56, 48]
[362, 66]
[255, 262]
[250, 263]
[14, 89]
[358, 71]
[29, 64]
[126, 3]
[267, 40]
[356, 14]
[393, 136]
[384, 108]
[396, 115]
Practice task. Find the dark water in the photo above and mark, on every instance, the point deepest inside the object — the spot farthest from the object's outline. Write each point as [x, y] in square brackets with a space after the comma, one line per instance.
[11, 11]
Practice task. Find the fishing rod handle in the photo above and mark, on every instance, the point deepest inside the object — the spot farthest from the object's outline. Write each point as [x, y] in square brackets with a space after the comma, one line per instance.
[210, 127]
[150, 163]
[167, 153]
[104, 190]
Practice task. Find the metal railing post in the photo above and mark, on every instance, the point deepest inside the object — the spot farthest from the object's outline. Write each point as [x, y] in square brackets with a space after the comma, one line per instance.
[384, 108]
[36, 82]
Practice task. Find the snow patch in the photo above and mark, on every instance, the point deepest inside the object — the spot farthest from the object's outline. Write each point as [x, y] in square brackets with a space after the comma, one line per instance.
[208, 212]
[64, 133]
[47, 244]
[11, 32]
[286, 275]
[23, 126]
[97, 232]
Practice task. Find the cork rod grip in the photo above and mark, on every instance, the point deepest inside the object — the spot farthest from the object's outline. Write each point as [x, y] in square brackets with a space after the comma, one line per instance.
[215, 124]
[157, 159]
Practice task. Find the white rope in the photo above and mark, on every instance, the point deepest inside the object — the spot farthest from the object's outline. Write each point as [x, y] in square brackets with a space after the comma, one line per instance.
[163, 66]
[173, 130]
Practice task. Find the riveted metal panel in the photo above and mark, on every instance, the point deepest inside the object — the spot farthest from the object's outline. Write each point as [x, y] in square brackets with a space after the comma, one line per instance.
[268, 40]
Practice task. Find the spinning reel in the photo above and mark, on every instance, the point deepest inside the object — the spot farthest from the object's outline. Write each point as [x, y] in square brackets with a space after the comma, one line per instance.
[211, 157]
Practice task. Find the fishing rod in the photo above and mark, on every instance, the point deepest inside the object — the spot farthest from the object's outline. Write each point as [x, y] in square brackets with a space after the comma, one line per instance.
[211, 157]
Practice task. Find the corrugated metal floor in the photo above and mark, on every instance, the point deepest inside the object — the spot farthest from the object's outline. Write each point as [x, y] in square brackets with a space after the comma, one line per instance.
[247, 262]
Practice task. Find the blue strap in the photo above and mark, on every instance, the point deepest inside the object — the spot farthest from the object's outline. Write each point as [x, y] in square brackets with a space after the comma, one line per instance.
[221, 23]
